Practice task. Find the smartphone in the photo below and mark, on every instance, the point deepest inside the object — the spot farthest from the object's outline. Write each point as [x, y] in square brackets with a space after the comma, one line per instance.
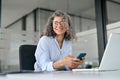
[80, 55]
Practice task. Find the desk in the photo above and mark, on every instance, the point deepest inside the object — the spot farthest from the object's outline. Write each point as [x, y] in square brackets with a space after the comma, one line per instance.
[64, 75]
[3, 78]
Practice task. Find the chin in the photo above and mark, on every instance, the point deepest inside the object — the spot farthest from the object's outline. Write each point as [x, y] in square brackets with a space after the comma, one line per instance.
[59, 33]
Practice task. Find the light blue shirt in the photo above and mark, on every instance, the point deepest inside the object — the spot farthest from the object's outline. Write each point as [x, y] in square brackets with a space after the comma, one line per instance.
[49, 51]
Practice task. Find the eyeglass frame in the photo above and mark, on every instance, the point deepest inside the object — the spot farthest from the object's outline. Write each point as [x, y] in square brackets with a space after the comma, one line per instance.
[60, 23]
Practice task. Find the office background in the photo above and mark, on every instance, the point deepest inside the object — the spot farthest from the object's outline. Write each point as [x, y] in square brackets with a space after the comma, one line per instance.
[22, 22]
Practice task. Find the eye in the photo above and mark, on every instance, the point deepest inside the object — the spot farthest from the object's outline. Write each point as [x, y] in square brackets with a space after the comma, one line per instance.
[62, 23]
[55, 22]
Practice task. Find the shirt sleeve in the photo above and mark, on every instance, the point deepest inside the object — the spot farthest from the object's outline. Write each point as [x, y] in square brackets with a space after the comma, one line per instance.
[42, 55]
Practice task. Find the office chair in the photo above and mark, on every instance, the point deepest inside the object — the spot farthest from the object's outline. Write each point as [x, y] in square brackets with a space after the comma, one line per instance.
[26, 57]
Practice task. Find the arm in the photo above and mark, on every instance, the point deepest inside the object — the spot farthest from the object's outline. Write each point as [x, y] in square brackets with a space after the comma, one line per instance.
[42, 55]
[70, 61]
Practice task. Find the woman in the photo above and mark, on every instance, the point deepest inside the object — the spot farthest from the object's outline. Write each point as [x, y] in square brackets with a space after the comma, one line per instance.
[54, 48]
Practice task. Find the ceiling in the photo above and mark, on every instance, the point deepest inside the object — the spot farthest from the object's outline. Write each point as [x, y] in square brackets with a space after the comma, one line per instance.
[72, 6]
[77, 7]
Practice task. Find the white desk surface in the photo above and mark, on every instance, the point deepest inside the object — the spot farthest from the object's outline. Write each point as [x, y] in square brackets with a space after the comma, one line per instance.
[64, 75]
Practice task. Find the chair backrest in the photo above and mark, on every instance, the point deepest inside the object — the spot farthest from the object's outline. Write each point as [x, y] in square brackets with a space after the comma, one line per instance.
[26, 57]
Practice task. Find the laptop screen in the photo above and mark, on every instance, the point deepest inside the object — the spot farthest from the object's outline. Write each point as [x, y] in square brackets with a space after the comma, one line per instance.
[110, 60]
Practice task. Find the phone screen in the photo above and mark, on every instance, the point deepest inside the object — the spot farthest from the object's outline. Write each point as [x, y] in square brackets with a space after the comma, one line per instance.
[80, 55]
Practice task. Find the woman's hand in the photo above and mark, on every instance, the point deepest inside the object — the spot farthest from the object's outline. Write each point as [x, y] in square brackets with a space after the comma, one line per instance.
[72, 62]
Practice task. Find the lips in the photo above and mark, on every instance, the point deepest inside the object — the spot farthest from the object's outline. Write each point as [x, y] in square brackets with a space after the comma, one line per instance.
[59, 29]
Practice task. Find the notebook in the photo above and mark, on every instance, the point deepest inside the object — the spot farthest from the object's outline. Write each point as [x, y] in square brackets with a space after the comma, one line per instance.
[110, 60]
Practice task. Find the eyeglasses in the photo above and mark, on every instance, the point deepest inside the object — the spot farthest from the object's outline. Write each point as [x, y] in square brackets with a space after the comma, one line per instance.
[61, 23]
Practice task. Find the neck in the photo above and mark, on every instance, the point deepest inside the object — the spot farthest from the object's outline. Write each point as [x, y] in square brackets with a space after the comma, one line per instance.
[60, 39]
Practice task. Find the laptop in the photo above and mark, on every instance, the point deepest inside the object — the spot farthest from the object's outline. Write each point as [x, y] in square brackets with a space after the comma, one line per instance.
[110, 60]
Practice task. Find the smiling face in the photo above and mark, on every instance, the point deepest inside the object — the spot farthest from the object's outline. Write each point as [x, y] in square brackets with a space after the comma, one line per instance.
[59, 26]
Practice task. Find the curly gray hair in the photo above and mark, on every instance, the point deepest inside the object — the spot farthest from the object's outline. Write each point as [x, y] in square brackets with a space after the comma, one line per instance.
[69, 34]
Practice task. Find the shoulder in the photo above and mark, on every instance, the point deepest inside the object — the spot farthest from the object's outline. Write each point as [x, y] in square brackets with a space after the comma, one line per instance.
[45, 39]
